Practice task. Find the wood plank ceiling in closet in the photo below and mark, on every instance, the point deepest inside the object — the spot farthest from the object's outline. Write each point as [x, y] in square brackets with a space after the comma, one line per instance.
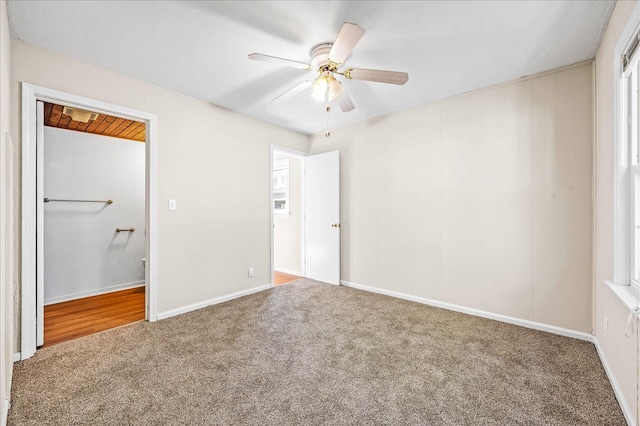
[105, 125]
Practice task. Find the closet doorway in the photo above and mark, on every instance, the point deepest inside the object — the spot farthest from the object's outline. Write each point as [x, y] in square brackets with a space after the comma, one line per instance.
[80, 196]
[93, 220]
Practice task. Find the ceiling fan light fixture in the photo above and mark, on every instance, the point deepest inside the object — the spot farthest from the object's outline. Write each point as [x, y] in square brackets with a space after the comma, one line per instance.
[320, 86]
[327, 59]
[335, 88]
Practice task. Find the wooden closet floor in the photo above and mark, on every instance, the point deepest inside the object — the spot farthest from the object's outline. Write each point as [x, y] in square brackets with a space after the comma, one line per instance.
[81, 317]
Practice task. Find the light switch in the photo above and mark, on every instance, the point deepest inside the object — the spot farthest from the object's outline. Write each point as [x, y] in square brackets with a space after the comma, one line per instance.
[173, 205]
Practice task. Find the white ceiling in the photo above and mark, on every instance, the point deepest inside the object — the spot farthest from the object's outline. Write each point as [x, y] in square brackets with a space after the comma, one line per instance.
[200, 48]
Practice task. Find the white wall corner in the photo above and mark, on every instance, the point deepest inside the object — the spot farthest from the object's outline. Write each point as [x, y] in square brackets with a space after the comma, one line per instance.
[626, 409]
[16, 357]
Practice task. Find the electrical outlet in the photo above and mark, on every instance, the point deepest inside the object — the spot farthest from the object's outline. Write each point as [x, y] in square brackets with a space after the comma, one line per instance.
[605, 326]
[250, 271]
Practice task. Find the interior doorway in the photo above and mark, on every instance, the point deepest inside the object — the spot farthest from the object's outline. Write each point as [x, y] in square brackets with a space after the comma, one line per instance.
[288, 216]
[32, 269]
[313, 242]
[93, 218]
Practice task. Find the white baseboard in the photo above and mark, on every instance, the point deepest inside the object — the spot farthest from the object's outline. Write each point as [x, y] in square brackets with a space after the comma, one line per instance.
[213, 301]
[624, 405]
[476, 312]
[95, 292]
[288, 271]
[5, 412]
[17, 357]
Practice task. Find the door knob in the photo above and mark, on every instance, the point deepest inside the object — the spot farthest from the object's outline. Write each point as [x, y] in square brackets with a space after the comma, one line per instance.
[335, 225]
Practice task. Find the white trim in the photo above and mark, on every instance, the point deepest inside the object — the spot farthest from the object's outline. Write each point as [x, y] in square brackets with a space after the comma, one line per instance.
[30, 94]
[94, 292]
[594, 199]
[620, 189]
[28, 255]
[214, 301]
[624, 406]
[271, 217]
[475, 312]
[17, 357]
[627, 294]
[151, 210]
[39, 223]
[288, 271]
[288, 151]
[5, 412]
[303, 228]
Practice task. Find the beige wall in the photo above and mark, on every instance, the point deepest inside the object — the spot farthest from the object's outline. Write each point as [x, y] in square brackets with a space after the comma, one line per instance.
[221, 226]
[620, 351]
[287, 231]
[483, 200]
[6, 223]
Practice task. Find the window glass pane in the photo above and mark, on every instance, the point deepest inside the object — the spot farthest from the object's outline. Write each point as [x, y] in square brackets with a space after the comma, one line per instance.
[634, 146]
[635, 225]
[280, 186]
[630, 100]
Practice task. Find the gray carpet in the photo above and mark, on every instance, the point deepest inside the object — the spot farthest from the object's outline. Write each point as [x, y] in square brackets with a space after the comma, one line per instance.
[310, 353]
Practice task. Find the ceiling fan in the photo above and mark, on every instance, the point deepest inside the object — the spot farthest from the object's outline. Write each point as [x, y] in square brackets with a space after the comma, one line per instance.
[327, 59]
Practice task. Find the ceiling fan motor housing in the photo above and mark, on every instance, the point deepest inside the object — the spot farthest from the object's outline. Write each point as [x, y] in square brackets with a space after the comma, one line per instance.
[320, 55]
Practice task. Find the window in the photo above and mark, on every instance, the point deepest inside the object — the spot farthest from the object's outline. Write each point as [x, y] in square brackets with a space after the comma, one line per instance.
[628, 170]
[281, 187]
[626, 167]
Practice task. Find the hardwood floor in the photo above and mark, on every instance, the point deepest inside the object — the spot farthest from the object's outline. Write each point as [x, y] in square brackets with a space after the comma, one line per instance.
[280, 278]
[81, 317]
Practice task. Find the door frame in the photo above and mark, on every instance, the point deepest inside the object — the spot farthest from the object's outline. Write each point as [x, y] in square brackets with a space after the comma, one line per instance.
[29, 269]
[298, 154]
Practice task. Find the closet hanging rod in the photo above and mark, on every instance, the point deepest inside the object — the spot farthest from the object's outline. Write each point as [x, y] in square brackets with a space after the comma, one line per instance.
[47, 200]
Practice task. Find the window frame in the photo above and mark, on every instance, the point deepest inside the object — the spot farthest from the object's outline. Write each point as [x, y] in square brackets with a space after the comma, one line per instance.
[630, 167]
[626, 192]
[282, 166]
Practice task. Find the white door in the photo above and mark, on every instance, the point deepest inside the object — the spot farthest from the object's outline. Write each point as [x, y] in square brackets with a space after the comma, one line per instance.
[40, 223]
[322, 217]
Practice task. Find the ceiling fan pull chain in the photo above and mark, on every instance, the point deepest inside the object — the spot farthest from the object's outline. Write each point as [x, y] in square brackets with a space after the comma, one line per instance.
[328, 133]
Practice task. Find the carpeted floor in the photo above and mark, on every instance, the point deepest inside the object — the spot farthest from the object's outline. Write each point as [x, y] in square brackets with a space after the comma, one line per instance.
[308, 353]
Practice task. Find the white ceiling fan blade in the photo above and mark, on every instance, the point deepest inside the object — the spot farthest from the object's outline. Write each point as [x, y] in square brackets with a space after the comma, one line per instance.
[280, 61]
[294, 91]
[393, 77]
[348, 37]
[345, 102]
